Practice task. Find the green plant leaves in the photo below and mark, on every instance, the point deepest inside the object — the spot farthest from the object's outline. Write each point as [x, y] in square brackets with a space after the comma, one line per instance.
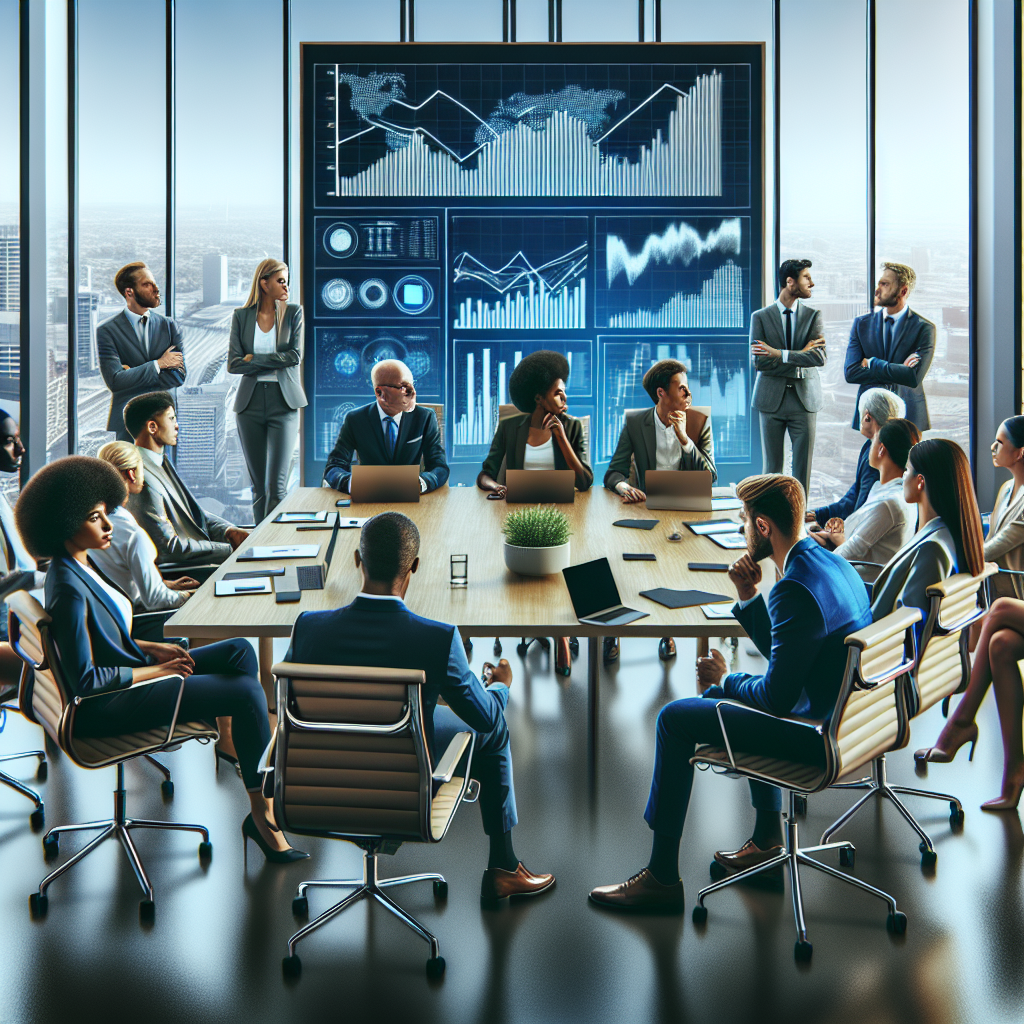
[536, 527]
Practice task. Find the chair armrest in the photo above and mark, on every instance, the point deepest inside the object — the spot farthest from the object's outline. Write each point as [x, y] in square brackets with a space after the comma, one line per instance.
[872, 565]
[379, 730]
[264, 767]
[806, 722]
[79, 701]
[445, 768]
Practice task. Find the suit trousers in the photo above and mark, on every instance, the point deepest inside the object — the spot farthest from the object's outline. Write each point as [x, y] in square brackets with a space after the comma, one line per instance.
[268, 430]
[492, 768]
[792, 416]
[683, 724]
[225, 683]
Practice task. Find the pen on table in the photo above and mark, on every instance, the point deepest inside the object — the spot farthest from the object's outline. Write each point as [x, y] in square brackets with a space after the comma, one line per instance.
[240, 590]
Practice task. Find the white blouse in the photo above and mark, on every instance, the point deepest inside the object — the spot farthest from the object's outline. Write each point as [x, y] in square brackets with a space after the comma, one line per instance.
[265, 345]
[880, 527]
[541, 456]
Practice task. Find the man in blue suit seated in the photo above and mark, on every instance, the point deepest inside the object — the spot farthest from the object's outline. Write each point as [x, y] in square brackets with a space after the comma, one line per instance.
[392, 431]
[816, 604]
[377, 629]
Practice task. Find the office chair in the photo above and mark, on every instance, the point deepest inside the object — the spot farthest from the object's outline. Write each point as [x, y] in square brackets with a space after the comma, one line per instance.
[943, 668]
[349, 760]
[47, 700]
[865, 722]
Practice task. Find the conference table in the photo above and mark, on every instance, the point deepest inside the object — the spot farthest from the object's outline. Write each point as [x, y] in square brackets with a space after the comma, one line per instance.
[495, 602]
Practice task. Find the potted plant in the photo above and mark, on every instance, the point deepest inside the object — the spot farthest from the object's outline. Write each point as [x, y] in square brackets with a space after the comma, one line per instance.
[536, 541]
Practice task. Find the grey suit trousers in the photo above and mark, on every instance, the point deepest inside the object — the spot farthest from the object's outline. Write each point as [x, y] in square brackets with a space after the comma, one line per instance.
[268, 429]
[792, 416]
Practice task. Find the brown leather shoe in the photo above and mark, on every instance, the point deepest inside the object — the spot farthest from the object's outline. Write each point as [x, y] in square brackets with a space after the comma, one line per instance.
[641, 892]
[499, 884]
[747, 856]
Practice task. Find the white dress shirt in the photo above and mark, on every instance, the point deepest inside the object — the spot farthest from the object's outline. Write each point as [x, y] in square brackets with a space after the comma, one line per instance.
[668, 450]
[880, 527]
[130, 562]
[398, 426]
[265, 345]
[141, 331]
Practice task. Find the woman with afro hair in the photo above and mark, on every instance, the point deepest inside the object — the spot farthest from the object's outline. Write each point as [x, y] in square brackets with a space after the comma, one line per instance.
[543, 436]
[62, 514]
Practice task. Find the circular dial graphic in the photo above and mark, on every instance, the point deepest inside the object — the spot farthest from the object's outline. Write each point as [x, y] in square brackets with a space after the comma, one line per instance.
[413, 294]
[373, 293]
[341, 239]
[337, 293]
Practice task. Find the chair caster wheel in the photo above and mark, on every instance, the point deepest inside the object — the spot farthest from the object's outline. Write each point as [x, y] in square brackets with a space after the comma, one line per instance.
[37, 819]
[42, 771]
[574, 646]
[300, 907]
[896, 923]
[800, 805]
[716, 871]
[521, 649]
[700, 913]
[51, 847]
[956, 816]
[440, 888]
[147, 912]
[802, 951]
[435, 967]
[206, 852]
[847, 857]
[38, 904]
[497, 648]
[928, 857]
[291, 967]
[167, 789]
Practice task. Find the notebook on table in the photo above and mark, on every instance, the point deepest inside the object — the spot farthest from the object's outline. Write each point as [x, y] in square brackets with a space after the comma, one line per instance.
[595, 597]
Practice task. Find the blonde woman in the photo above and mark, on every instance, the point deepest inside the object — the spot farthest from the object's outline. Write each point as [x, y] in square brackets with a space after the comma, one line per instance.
[130, 560]
[266, 350]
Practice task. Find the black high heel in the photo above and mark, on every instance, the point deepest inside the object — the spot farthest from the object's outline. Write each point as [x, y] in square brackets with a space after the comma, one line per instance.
[250, 831]
[224, 756]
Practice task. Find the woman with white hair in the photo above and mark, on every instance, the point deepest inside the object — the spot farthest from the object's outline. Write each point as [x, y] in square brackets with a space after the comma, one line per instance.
[876, 407]
[130, 560]
[266, 349]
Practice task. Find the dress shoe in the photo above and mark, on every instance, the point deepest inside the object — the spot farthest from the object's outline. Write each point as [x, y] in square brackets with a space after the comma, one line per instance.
[610, 649]
[499, 884]
[666, 648]
[747, 856]
[641, 892]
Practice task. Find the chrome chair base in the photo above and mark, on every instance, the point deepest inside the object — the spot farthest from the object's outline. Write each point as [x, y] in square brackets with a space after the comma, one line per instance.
[119, 827]
[37, 817]
[792, 857]
[877, 785]
[369, 886]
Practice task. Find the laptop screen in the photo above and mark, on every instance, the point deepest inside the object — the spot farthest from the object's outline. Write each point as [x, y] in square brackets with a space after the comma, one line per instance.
[334, 540]
[591, 587]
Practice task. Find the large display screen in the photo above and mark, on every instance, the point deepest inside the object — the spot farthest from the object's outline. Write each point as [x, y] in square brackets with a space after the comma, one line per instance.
[464, 205]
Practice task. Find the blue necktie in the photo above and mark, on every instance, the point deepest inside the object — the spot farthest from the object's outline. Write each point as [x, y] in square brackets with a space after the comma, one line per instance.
[888, 337]
[392, 434]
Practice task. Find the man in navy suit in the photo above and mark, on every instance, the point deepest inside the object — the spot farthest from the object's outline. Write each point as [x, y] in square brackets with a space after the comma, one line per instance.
[818, 602]
[892, 347]
[393, 431]
[378, 629]
[139, 350]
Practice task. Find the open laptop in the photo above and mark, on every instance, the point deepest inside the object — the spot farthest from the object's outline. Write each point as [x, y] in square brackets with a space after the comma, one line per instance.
[678, 490]
[556, 486]
[381, 484]
[595, 597]
[314, 577]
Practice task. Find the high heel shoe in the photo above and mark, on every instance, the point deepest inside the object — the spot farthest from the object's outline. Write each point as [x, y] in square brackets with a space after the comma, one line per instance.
[250, 831]
[222, 755]
[939, 755]
[1006, 803]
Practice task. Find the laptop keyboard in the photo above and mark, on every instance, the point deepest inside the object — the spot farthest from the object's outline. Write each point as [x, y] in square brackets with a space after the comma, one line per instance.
[608, 616]
[310, 577]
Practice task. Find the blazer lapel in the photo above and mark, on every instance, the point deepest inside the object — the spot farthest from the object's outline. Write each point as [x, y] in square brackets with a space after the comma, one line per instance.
[650, 438]
[104, 600]
[171, 487]
[775, 319]
[284, 327]
[522, 436]
[129, 335]
[405, 431]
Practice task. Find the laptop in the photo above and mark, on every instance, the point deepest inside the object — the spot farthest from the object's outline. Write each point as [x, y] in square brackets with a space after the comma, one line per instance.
[290, 584]
[678, 490]
[595, 597]
[556, 486]
[380, 484]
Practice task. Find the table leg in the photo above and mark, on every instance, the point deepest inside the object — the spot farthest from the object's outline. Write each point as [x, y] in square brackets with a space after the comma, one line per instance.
[703, 646]
[266, 645]
[593, 680]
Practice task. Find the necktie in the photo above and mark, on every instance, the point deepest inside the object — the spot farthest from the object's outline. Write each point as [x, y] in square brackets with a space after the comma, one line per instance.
[888, 337]
[142, 327]
[392, 434]
[789, 327]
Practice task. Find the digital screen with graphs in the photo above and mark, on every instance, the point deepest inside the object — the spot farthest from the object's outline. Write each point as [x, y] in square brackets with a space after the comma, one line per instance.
[465, 205]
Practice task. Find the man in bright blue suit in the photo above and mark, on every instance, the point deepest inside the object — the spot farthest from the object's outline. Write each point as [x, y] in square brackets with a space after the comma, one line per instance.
[811, 610]
[377, 629]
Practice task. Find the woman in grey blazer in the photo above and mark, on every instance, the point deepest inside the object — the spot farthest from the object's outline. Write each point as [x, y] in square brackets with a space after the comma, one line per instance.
[266, 349]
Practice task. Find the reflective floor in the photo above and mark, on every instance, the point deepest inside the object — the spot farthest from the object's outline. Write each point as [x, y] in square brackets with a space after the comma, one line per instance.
[215, 950]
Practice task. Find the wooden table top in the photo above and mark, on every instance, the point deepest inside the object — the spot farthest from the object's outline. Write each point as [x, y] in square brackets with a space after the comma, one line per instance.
[497, 602]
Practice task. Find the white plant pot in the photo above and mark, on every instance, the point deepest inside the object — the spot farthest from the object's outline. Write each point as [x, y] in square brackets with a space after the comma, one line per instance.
[537, 561]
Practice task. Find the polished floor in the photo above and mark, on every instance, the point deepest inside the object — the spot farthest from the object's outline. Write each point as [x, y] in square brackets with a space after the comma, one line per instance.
[214, 952]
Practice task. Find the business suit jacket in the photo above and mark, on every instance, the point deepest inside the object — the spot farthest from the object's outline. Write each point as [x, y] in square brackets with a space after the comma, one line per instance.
[864, 479]
[802, 632]
[1004, 544]
[362, 431]
[509, 444]
[117, 345]
[800, 369]
[181, 532]
[286, 362]
[914, 334]
[927, 559]
[639, 442]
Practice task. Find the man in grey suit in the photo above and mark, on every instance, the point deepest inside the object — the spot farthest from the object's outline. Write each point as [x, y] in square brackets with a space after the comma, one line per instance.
[139, 350]
[788, 347]
[183, 533]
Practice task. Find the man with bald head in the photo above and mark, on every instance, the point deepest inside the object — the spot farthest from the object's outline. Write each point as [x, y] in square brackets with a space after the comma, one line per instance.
[392, 431]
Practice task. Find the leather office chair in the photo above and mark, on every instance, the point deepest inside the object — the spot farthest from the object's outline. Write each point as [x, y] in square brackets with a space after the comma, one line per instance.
[439, 413]
[943, 668]
[348, 760]
[864, 723]
[47, 700]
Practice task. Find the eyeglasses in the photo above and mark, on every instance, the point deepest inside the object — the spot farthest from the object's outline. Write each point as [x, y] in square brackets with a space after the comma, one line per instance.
[406, 389]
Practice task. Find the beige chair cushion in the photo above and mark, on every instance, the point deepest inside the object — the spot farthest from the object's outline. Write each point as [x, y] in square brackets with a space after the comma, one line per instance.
[100, 750]
[803, 777]
[443, 806]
